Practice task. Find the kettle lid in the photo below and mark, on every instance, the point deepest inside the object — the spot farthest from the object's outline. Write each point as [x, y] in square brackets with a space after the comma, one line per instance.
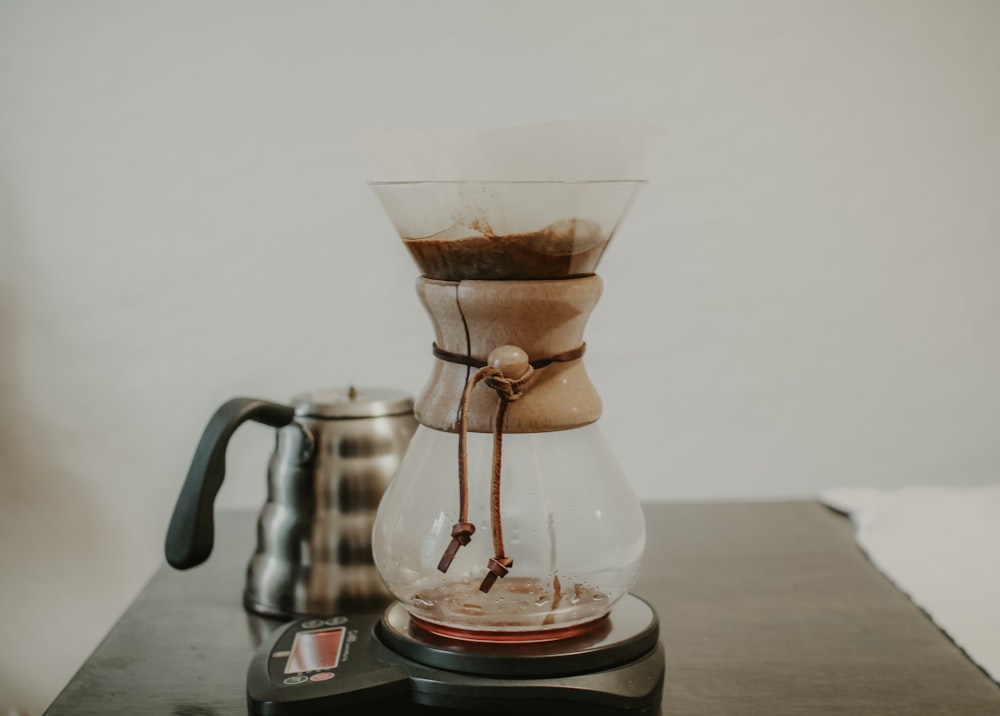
[351, 402]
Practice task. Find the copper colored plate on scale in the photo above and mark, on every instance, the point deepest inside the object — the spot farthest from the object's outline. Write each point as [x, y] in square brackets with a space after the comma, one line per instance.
[528, 636]
[630, 631]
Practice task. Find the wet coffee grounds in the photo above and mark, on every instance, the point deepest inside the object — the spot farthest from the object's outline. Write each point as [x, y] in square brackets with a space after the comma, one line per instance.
[563, 250]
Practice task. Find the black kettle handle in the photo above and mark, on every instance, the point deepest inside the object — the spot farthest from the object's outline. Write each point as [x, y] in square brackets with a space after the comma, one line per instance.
[192, 527]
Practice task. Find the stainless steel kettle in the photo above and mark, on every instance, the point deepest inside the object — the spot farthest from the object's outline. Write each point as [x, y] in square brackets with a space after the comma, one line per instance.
[336, 451]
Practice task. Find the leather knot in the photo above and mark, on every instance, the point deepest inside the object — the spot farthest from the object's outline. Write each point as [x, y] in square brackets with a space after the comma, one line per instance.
[499, 567]
[509, 389]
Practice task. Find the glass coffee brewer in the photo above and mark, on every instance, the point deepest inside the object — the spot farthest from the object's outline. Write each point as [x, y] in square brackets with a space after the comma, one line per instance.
[509, 519]
[509, 537]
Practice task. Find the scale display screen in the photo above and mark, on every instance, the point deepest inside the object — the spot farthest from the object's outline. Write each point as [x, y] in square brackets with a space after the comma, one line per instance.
[313, 650]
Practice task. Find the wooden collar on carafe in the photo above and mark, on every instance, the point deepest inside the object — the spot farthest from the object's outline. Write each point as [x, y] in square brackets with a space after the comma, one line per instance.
[507, 370]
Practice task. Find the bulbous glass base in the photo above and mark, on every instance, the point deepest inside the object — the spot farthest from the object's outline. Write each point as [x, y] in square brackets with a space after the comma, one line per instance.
[570, 522]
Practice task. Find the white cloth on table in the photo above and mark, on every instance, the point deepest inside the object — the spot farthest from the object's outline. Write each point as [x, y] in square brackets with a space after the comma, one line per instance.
[941, 547]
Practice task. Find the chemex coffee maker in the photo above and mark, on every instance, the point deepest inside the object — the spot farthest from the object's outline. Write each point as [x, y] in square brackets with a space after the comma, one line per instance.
[509, 537]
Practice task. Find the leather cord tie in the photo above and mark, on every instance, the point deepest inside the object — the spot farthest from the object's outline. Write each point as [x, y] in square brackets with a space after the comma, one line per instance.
[508, 389]
[564, 357]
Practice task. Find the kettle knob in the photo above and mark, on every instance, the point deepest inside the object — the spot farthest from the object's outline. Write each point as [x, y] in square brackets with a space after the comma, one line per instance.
[191, 533]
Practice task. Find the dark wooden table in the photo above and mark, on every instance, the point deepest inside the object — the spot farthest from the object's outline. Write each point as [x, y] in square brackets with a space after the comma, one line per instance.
[766, 608]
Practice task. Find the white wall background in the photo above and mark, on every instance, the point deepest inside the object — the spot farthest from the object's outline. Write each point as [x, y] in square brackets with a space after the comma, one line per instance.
[805, 296]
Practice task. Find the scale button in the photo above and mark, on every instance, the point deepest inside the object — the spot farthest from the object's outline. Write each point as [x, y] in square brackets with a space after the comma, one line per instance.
[312, 624]
[335, 621]
[321, 676]
[300, 679]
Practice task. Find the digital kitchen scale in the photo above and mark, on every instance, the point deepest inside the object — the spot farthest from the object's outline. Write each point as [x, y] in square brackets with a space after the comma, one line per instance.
[384, 659]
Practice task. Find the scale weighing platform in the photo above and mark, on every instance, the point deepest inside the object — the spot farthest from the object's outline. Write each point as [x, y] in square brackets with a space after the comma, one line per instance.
[383, 659]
